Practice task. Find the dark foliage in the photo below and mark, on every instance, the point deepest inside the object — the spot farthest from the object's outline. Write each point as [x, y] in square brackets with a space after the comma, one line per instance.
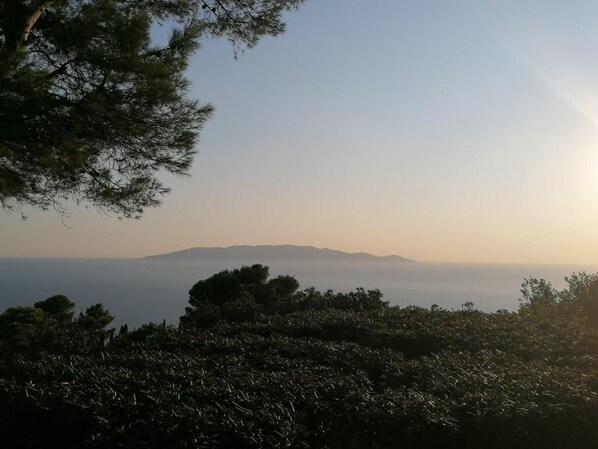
[332, 371]
[236, 295]
[91, 108]
[50, 326]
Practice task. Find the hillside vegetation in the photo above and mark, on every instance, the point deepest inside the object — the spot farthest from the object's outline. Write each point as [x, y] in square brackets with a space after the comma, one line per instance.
[256, 363]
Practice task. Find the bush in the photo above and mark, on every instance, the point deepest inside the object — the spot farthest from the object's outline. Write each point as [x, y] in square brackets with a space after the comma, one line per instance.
[315, 370]
[245, 293]
[578, 301]
[49, 326]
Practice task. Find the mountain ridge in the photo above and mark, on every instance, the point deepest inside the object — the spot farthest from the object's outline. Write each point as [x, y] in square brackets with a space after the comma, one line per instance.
[260, 253]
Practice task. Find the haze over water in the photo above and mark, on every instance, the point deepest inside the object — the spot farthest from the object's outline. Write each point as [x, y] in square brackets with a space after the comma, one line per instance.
[139, 291]
[439, 130]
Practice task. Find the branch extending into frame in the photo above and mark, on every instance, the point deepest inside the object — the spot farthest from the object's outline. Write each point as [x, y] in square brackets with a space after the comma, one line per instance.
[33, 18]
[226, 11]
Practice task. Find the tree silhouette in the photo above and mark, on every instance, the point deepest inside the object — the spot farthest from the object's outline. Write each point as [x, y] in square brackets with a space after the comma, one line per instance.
[91, 108]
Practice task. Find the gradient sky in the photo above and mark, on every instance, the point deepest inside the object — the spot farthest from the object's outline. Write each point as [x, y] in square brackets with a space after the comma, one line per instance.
[440, 131]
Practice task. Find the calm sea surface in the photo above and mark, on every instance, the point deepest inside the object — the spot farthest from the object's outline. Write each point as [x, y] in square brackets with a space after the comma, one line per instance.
[140, 291]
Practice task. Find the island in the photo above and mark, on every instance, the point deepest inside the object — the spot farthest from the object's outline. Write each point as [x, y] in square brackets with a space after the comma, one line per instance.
[269, 253]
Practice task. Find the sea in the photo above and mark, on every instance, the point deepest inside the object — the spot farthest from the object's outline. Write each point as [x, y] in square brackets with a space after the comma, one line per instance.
[138, 291]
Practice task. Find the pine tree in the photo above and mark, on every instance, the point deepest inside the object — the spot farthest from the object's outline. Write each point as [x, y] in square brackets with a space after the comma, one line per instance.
[91, 109]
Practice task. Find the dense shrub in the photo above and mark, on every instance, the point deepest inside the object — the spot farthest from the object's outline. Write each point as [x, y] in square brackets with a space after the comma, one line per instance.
[578, 301]
[311, 299]
[50, 326]
[236, 295]
[325, 370]
[245, 293]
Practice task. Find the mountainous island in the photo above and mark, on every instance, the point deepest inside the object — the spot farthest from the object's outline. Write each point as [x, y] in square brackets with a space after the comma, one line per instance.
[269, 253]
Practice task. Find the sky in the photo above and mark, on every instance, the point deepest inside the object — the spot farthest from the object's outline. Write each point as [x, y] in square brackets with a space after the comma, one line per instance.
[461, 131]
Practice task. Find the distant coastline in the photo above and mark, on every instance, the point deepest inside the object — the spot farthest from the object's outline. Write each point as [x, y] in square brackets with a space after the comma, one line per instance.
[265, 253]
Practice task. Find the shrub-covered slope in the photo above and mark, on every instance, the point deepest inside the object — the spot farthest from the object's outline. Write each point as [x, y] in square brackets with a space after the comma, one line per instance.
[303, 370]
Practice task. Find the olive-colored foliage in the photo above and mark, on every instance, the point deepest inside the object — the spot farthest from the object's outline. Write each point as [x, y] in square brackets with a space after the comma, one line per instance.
[58, 307]
[311, 299]
[579, 300]
[315, 377]
[49, 325]
[19, 326]
[94, 317]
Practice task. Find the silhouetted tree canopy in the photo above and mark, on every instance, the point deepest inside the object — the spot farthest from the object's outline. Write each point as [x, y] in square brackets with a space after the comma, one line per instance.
[59, 307]
[245, 293]
[237, 295]
[228, 285]
[91, 109]
[50, 325]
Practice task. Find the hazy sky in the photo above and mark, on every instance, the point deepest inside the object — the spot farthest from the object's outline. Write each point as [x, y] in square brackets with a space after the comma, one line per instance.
[437, 130]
